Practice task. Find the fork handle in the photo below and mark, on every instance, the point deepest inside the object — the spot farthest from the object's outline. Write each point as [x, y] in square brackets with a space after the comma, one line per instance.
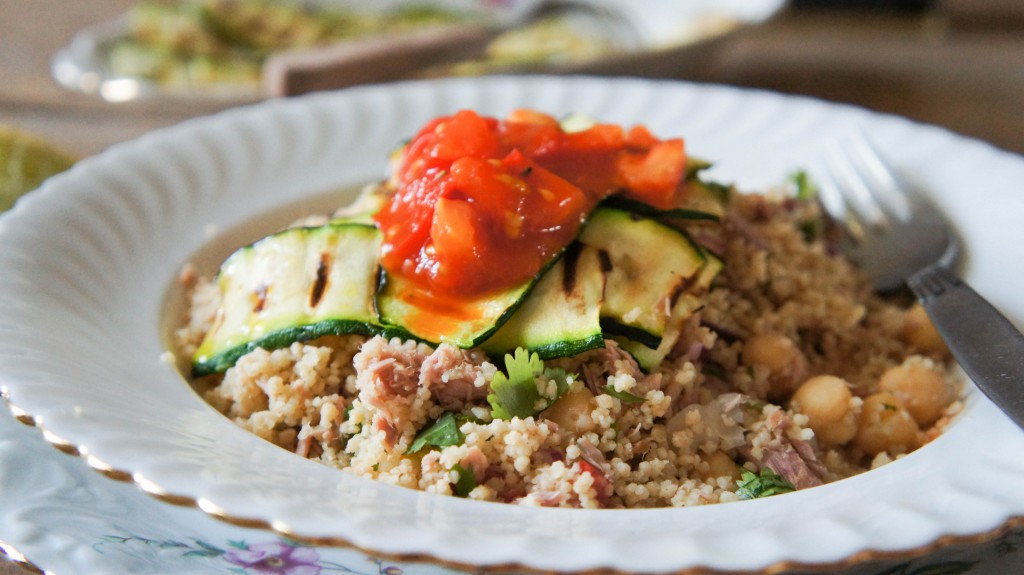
[988, 347]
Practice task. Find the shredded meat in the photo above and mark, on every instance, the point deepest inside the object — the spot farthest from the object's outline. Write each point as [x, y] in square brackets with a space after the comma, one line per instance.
[477, 461]
[393, 369]
[391, 434]
[604, 487]
[793, 459]
[612, 359]
[388, 378]
[544, 498]
[302, 447]
[787, 461]
[456, 377]
[591, 454]
[595, 463]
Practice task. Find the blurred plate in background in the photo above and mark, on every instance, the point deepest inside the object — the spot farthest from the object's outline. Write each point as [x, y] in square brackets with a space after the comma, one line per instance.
[221, 50]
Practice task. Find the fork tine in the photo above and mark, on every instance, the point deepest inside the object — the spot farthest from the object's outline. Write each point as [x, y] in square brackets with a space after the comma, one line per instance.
[837, 205]
[843, 167]
[890, 229]
[880, 179]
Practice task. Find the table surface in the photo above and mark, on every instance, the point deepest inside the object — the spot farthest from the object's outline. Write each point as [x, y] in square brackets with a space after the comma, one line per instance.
[953, 67]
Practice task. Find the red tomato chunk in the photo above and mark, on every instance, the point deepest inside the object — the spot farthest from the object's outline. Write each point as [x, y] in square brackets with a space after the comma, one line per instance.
[482, 204]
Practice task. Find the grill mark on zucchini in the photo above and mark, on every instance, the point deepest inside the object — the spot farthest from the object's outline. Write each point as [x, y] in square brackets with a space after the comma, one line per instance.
[554, 321]
[570, 262]
[320, 283]
[648, 265]
[260, 295]
[285, 288]
[684, 286]
[606, 261]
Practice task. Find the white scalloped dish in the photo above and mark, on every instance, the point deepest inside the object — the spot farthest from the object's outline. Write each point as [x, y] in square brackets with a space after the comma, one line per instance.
[89, 259]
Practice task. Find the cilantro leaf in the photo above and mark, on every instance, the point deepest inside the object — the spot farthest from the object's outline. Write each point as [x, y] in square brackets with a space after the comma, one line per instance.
[768, 483]
[516, 394]
[441, 433]
[623, 396]
[563, 381]
[466, 481]
[805, 188]
[694, 166]
[810, 229]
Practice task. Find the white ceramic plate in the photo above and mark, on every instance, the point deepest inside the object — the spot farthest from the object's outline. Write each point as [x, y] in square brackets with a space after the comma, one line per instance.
[89, 259]
[667, 33]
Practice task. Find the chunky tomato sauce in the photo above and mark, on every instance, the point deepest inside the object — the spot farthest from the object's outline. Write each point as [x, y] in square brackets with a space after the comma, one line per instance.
[481, 204]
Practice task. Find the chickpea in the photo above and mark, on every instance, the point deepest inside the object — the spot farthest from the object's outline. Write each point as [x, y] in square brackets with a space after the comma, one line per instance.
[885, 425]
[778, 353]
[572, 412]
[919, 332]
[826, 401]
[772, 350]
[721, 465]
[920, 388]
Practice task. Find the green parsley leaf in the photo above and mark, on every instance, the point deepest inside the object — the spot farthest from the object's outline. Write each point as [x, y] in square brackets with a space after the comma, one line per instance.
[563, 381]
[720, 191]
[623, 396]
[768, 483]
[754, 405]
[810, 229]
[516, 394]
[441, 433]
[805, 188]
[466, 481]
[716, 370]
[693, 168]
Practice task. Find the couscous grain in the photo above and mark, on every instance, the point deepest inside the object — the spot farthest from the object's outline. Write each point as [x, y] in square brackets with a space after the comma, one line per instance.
[792, 365]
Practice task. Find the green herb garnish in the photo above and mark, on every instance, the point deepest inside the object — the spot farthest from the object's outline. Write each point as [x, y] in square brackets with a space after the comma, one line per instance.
[466, 481]
[768, 483]
[716, 370]
[623, 396]
[516, 394]
[720, 191]
[754, 405]
[693, 168]
[441, 433]
[810, 230]
[805, 188]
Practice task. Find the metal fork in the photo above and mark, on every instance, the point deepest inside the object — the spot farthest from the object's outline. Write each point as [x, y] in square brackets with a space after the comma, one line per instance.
[900, 238]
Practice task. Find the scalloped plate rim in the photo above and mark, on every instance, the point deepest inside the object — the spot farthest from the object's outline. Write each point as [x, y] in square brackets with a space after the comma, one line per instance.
[979, 413]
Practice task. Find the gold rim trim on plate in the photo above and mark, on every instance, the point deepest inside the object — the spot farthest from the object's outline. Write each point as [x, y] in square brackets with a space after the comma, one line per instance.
[18, 559]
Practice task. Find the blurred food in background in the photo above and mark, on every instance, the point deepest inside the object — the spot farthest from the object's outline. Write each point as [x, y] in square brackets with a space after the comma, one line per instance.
[231, 47]
[548, 36]
[202, 42]
[558, 33]
[26, 161]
